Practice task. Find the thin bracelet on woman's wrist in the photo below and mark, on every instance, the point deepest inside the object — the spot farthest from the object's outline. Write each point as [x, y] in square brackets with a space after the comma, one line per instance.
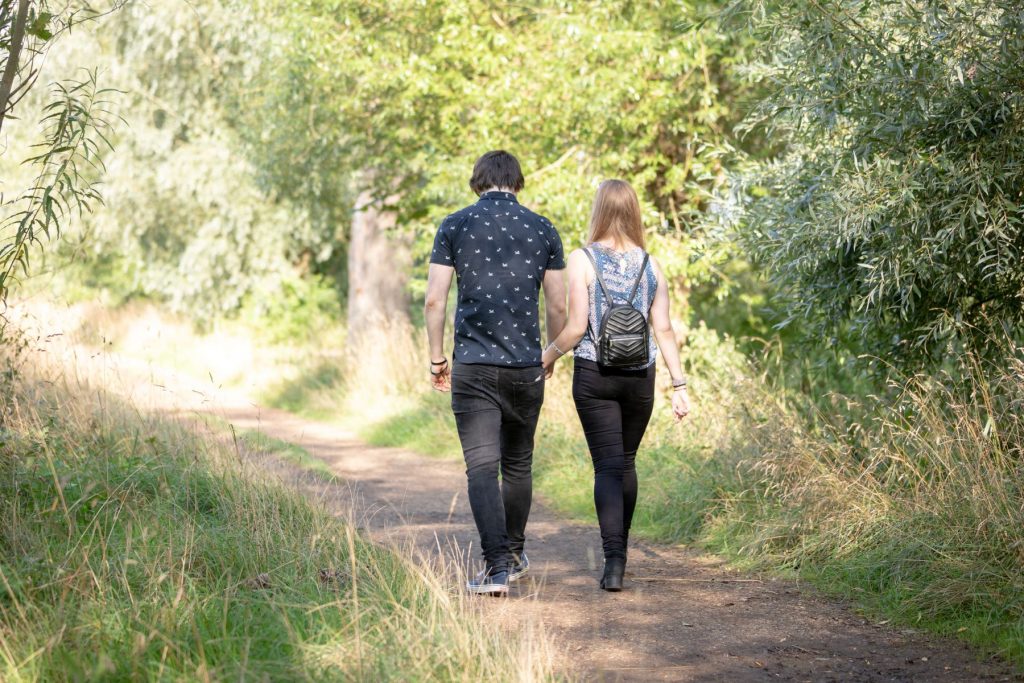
[553, 345]
[678, 384]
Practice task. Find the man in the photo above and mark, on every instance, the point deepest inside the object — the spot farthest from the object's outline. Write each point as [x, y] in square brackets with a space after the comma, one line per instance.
[503, 254]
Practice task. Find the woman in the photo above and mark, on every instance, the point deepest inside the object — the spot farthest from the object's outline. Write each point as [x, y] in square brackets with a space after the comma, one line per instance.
[615, 404]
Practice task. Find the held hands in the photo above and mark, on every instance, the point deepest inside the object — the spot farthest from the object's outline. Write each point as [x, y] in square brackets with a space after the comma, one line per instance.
[680, 403]
[548, 360]
[440, 375]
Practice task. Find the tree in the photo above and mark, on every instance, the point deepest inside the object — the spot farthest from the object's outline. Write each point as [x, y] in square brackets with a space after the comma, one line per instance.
[894, 218]
[184, 219]
[398, 99]
[377, 256]
[75, 122]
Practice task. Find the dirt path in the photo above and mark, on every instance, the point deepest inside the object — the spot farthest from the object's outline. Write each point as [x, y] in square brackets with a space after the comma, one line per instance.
[682, 617]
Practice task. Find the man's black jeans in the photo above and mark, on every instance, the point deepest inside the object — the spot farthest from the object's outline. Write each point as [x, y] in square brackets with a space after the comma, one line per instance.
[496, 411]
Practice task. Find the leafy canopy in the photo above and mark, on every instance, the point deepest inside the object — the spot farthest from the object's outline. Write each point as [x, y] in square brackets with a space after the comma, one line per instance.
[894, 218]
[402, 96]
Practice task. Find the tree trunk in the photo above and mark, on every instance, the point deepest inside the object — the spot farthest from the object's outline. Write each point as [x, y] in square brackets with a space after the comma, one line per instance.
[379, 261]
[16, 37]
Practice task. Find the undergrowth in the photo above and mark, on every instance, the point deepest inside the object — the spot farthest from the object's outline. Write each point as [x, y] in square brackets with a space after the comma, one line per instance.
[134, 548]
[911, 502]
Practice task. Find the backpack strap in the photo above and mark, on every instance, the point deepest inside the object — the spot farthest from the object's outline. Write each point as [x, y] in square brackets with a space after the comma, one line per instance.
[600, 281]
[639, 277]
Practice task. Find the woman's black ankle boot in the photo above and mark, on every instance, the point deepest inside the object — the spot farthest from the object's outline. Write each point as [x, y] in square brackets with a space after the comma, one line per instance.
[614, 568]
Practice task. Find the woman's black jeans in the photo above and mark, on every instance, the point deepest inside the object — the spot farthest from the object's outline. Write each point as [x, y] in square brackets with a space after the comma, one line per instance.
[614, 407]
[496, 411]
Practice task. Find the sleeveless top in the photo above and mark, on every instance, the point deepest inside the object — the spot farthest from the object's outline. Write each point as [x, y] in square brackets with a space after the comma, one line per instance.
[620, 271]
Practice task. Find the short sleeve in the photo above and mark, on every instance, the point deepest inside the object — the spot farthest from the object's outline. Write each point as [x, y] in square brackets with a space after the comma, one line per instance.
[442, 253]
[556, 255]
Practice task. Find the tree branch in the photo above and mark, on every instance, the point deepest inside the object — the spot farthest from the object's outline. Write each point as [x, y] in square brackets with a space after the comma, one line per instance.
[11, 68]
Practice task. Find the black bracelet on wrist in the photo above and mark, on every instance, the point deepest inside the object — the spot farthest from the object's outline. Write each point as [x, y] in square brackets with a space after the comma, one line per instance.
[443, 363]
[679, 384]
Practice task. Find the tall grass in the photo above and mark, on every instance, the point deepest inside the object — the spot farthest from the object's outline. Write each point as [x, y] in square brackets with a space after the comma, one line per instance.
[911, 503]
[133, 548]
[919, 510]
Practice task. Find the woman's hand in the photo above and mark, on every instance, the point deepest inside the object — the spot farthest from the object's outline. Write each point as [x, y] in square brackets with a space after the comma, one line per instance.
[549, 359]
[680, 403]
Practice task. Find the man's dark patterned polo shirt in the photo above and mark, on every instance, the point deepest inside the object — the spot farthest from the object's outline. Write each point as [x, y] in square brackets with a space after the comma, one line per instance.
[500, 251]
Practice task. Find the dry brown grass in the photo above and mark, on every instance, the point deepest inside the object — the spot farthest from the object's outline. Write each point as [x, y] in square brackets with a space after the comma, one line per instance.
[134, 548]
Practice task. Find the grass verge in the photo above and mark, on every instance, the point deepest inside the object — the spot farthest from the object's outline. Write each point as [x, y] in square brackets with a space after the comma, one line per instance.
[913, 507]
[133, 548]
[911, 504]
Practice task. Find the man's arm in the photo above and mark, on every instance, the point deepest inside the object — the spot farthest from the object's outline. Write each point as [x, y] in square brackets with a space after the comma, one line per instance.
[439, 282]
[579, 311]
[554, 302]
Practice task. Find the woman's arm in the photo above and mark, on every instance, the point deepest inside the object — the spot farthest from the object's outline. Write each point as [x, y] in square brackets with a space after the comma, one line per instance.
[661, 321]
[579, 311]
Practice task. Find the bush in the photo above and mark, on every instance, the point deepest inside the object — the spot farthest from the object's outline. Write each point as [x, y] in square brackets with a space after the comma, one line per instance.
[893, 218]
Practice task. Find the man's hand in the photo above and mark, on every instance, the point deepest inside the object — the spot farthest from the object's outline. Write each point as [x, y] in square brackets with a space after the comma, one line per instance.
[441, 376]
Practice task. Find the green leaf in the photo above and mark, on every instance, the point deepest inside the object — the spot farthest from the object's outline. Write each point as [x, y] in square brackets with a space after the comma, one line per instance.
[38, 27]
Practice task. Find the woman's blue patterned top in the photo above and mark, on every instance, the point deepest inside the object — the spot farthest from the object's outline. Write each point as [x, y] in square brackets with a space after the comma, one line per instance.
[620, 271]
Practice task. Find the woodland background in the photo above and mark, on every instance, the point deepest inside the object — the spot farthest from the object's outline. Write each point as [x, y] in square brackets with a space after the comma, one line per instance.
[834, 188]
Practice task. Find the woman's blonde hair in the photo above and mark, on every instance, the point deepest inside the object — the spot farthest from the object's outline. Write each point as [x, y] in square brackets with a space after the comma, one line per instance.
[616, 214]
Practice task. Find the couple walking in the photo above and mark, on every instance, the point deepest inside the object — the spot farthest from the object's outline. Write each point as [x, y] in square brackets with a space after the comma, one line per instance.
[504, 255]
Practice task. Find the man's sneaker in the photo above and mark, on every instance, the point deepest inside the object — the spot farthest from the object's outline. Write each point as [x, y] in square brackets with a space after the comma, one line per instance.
[519, 568]
[489, 582]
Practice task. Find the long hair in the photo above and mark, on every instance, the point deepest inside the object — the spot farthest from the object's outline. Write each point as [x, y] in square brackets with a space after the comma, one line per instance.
[616, 214]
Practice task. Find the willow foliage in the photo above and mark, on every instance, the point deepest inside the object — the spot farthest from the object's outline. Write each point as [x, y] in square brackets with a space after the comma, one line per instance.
[895, 217]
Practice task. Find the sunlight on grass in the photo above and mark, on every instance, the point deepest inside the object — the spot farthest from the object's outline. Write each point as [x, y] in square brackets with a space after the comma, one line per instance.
[258, 442]
[911, 513]
[136, 548]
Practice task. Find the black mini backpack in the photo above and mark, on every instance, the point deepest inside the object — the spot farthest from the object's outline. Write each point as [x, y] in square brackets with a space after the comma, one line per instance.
[623, 340]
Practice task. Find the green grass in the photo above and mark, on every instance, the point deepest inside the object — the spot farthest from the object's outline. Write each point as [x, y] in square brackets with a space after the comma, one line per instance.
[427, 427]
[311, 393]
[135, 549]
[913, 510]
[910, 505]
[259, 442]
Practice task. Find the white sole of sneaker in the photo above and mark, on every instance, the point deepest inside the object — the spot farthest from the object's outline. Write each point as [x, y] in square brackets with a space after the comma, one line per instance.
[488, 589]
[518, 575]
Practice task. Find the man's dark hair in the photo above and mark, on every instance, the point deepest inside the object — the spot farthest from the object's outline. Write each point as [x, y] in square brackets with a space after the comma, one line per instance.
[496, 169]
